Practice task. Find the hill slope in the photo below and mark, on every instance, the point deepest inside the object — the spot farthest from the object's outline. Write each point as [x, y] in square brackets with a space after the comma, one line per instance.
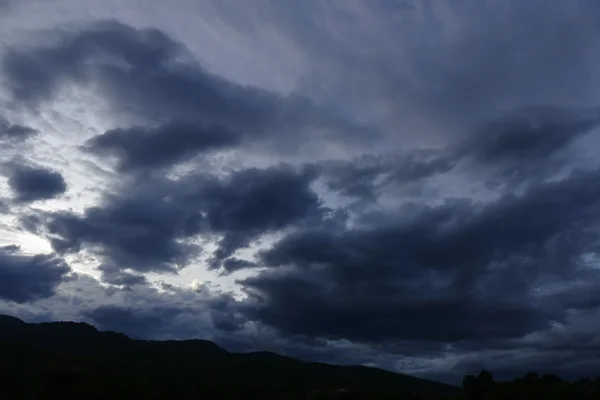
[65, 350]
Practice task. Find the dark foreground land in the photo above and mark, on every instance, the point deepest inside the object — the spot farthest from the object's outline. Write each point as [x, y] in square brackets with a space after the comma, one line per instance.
[67, 360]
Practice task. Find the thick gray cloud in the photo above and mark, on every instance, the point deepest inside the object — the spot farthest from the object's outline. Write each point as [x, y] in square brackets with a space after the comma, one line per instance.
[138, 229]
[369, 175]
[116, 276]
[31, 183]
[469, 268]
[531, 133]
[141, 148]
[25, 278]
[254, 201]
[132, 66]
[234, 264]
[149, 76]
[529, 143]
[145, 227]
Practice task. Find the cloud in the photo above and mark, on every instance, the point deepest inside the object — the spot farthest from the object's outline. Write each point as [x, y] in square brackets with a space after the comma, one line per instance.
[367, 176]
[526, 144]
[25, 278]
[256, 201]
[152, 224]
[531, 132]
[15, 132]
[116, 276]
[169, 313]
[141, 311]
[142, 148]
[31, 183]
[530, 142]
[137, 229]
[235, 264]
[153, 320]
[453, 265]
[130, 66]
[146, 75]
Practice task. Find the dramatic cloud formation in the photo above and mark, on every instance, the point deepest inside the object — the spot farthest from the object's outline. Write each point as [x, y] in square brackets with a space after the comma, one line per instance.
[412, 185]
[531, 143]
[35, 183]
[129, 67]
[150, 226]
[466, 267]
[365, 177]
[29, 278]
[139, 148]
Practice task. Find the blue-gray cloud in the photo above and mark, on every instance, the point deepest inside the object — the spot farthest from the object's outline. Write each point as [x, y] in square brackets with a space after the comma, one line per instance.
[450, 265]
[25, 278]
[143, 148]
[30, 183]
[142, 73]
[145, 226]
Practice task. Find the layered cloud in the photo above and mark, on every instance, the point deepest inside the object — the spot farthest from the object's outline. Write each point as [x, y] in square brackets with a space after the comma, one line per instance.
[411, 185]
[29, 278]
[453, 272]
[150, 224]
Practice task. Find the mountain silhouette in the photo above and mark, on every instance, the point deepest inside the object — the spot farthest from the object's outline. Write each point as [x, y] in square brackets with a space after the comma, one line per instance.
[63, 349]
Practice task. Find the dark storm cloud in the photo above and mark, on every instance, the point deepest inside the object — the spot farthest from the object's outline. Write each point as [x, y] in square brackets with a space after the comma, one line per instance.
[458, 271]
[30, 183]
[367, 176]
[256, 201]
[139, 69]
[116, 276]
[142, 148]
[138, 230]
[531, 132]
[146, 74]
[25, 278]
[234, 264]
[15, 132]
[145, 227]
[529, 142]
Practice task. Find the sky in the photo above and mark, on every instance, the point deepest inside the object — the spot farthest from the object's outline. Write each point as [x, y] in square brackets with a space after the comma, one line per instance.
[412, 185]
